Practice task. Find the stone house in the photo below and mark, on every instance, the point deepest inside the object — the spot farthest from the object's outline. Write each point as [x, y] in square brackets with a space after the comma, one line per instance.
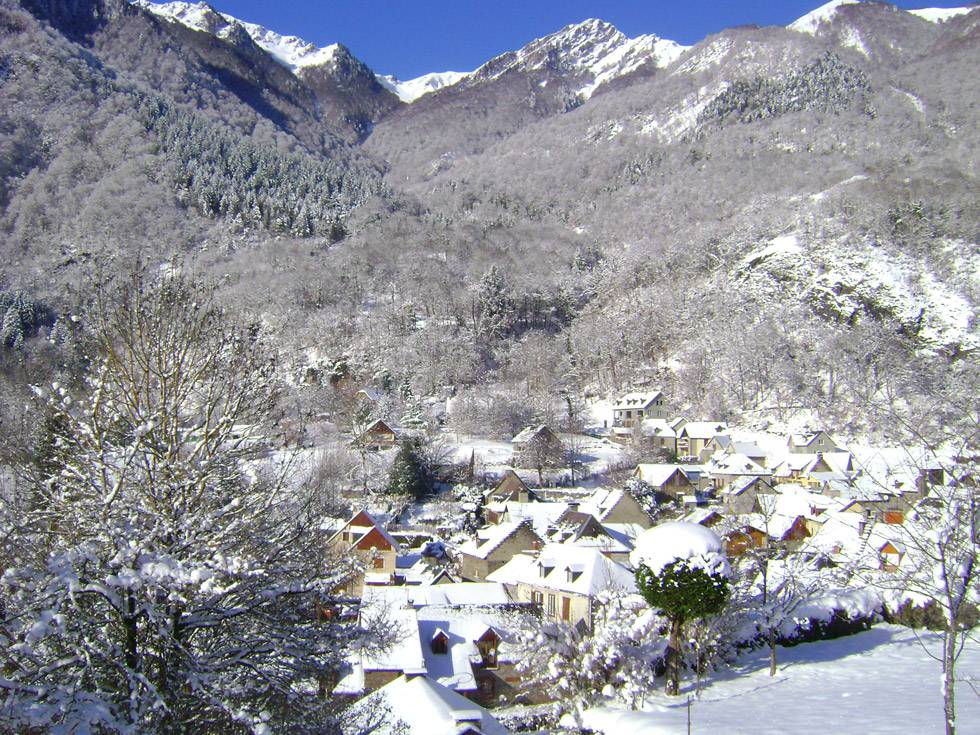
[374, 547]
[631, 409]
[494, 547]
[563, 580]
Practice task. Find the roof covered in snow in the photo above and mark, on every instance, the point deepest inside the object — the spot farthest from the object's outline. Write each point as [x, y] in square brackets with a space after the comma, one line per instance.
[421, 706]
[566, 568]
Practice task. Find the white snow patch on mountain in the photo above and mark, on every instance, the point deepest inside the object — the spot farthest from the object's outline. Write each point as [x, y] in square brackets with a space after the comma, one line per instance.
[712, 54]
[852, 39]
[593, 48]
[940, 15]
[290, 51]
[782, 245]
[810, 22]
[410, 90]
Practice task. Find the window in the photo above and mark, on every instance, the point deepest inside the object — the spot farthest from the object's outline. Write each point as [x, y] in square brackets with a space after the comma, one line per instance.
[537, 598]
[379, 562]
[487, 646]
[551, 606]
[440, 643]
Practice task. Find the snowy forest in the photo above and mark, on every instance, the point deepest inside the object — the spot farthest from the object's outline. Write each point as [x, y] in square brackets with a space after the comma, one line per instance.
[600, 390]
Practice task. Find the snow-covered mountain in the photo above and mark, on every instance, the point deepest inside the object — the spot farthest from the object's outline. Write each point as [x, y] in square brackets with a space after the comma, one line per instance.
[410, 90]
[594, 50]
[811, 22]
[290, 51]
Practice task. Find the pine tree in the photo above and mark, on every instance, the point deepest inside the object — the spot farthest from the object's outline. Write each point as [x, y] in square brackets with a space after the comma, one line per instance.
[408, 475]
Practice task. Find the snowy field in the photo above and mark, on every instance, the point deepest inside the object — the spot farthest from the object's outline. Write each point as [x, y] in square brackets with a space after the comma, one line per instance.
[876, 682]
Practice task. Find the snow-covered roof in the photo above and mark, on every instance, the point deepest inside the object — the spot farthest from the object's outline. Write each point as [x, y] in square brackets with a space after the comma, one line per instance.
[361, 524]
[658, 428]
[541, 516]
[421, 706]
[676, 540]
[592, 571]
[735, 464]
[703, 429]
[656, 474]
[490, 537]
[637, 400]
[526, 435]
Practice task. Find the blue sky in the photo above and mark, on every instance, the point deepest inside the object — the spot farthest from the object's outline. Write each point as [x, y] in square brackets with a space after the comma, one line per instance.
[411, 37]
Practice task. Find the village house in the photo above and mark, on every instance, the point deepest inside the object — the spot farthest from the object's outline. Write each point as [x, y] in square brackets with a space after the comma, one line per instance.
[616, 506]
[665, 479]
[724, 444]
[378, 435]
[812, 442]
[460, 635]
[633, 408]
[494, 547]
[741, 495]
[511, 488]
[423, 707]
[728, 468]
[585, 530]
[695, 435]
[372, 545]
[563, 581]
[741, 540]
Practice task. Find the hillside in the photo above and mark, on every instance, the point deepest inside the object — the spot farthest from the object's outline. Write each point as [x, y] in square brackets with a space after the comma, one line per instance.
[771, 218]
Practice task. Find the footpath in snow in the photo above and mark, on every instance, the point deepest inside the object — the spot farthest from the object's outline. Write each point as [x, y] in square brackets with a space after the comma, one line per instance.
[877, 682]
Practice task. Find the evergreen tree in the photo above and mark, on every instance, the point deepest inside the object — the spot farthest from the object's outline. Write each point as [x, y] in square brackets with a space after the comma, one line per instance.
[408, 474]
[681, 571]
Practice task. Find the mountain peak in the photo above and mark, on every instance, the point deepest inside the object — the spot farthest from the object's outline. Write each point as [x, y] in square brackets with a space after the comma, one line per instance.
[292, 52]
[593, 51]
[810, 22]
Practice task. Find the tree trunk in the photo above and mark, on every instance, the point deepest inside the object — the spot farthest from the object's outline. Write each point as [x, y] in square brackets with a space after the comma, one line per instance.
[674, 658]
[772, 652]
[949, 680]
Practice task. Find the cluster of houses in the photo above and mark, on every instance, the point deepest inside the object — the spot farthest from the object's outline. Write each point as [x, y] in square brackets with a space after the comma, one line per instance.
[547, 555]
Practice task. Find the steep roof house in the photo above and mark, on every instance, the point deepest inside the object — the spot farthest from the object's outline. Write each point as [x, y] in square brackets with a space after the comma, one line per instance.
[418, 705]
[372, 544]
[495, 546]
[694, 436]
[631, 409]
[812, 442]
[563, 581]
[616, 506]
[378, 435]
[667, 479]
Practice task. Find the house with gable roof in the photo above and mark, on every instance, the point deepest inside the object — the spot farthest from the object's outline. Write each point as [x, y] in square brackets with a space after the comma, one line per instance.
[378, 435]
[667, 479]
[693, 436]
[511, 488]
[418, 705]
[585, 530]
[812, 442]
[494, 546]
[631, 409]
[741, 495]
[611, 505]
[563, 580]
[372, 545]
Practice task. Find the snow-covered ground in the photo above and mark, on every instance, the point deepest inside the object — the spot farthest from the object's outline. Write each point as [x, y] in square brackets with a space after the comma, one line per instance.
[879, 682]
